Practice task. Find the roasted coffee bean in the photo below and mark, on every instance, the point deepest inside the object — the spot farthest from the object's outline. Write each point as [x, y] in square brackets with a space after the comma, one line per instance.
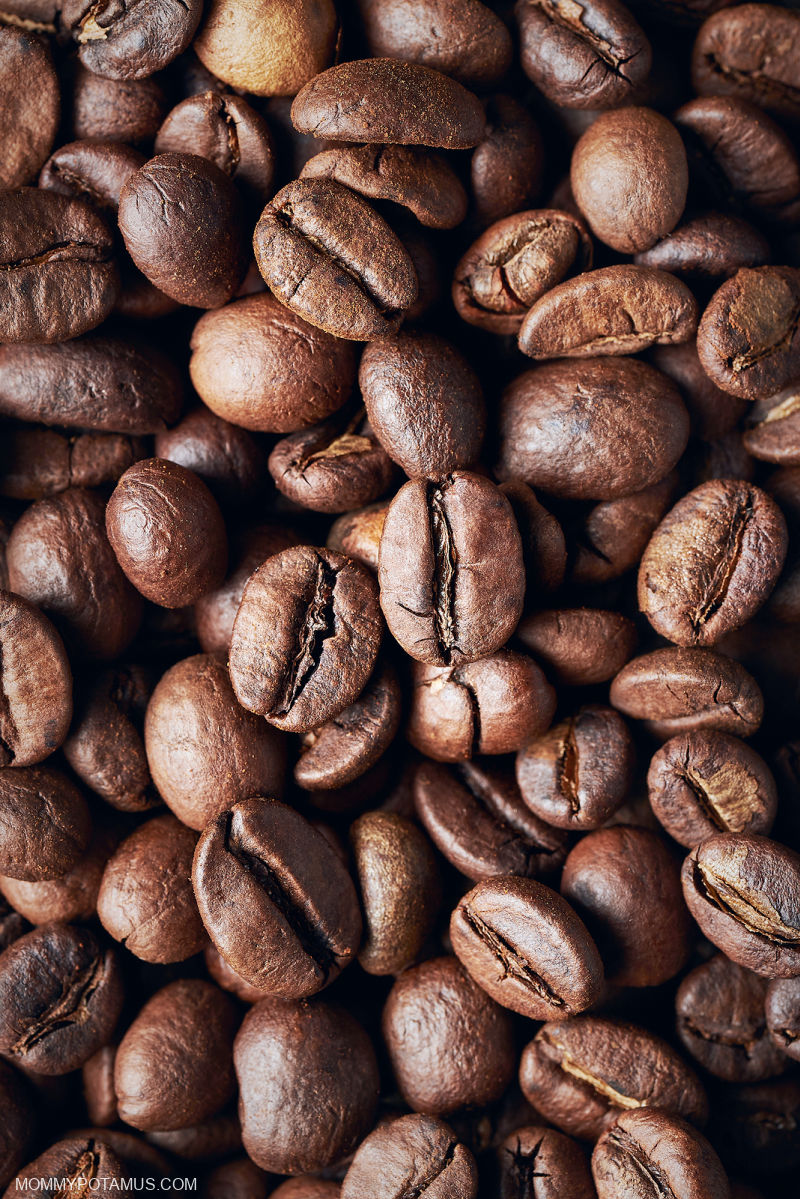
[12, 924]
[704, 782]
[58, 277]
[544, 550]
[744, 892]
[712, 412]
[536, 1162]
[206, 753]
[124, 110]
[643, 1149]
[82, 1165]
[237, 1179]
[384, 100]
[35, 684]
[320, 613]
[507, 164]
[712, 246]
[332, 467]
[525, 946]
[209, 1140]
[180, 219]
[476, 818]
[330, 258]
[580, 1073]
[95, 383]
[596, 429]
[414, 1153]
[46, 823]
[130, 43]
[773, 434]
[624, 884]
[749, 336]
[308, 1186]
[305, 1049]
[629, 176]
[228, 460]
[595, 57]
[259, 365]
[269, 52]
[167, 532]
[752, 53]
[71, 898]
[146, 900]
[227, 978]
[755, 1126]
[227, 131]
[60, 997]
[782, 1009]
[515, 262]
[579, 646]
[30, 102]
[398, 881]
[492, 706]
[611, 538]
[450, 1045]
[275, 899]
[92, 171]
[19, 1119]
[721, 1021]
[440, 612]
[35, 463]
[174, 1065]
[679, 690]
[577, 774]
[420, 180]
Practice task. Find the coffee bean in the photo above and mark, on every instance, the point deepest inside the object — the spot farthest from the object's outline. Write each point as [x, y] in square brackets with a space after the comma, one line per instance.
[46, 823]
[414, 1153]
[19, 1120]
[712, 246]
[332, 467]
[755, 1126]
[331, 259]
[30, 102]
[773, 434]
[95, 172]
[744, 892]
[320, 612]
[35, 684]
[610, 539]
[306, 1049]
[12, 924]
[383, 100]
[467, 41]
[679, 690]
[237, 1179]
[83, 1166]
[126, 110]
[580, 1073]
[536, 1162]
[40, 462]
[450, 1045]
[579, 646]
[751, 53]
[507, 164]
[703, 782]
[174, 1065]
[209, 1140]
[206, 753]
[71, 898]
[544, 550]
[476, 818]
[645, 1145]
[712, 412]
[306, 1186]
[60, 997]
[596, 429]
[130, 43]
[782, 1009]
[721, 1021]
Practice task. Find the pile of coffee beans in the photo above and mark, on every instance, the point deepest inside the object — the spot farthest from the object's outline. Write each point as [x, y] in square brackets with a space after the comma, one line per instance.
[400, 599]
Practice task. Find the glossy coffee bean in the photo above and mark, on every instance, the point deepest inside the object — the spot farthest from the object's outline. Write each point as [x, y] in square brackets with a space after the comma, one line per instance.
[92, 171]
[237, 1179]
[46, 823]
[60, 998]
[744, 892]
[773, 432]
[579, 646]
[782, 1008]
[124, 110]
[35, 683]
[29, 96]
[609, 540]
[751, 53]
[332, 467]
[450, 1044]
[227, 458]
[40, 462]
[647, 1144]
[308, 1186]
[712, 412]
[71, 898]
[82, 1164]
[712, 246]
[544, 549]
[507, 164]
[703, 782]
[413, 1153]
[131, 43]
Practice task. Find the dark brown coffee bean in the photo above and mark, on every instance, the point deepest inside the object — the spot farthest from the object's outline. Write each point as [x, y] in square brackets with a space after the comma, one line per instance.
[12, 924]
[167, 532]
[40, 462]
[612, 536]
[749, 335]
[174, 1065]
[72, 898]
[704, 782]
[413, 1154]
[259, 365]
[630, 177]
[206, 752]
[492, 706]
[130, 43]
[227, 978]
[304, 1048]
[320, 614]
[783, 1015]
[579, 646]
[207, 1141]
[596, 429]
[544, 550]
[744, 892]
[646, 1148]
[332, 467]
[58, 277]
[60, 997]
[678, 690]
[525, 946]
[95, 172]
[180, 218]
[95, 383]
[358, 534]
[515, 262]
[237, 1179]
[35, 684]
[227, 458]
[146, 900]
[450, 1045]
[476, 818]
[124, 110]
[420, 180]
[45, 820]
[383, 100]
[773, 432]
[30, 102]
[712, 246]
[439, 612]
[536, 1162]
[82, 1166]
[308, 1186]
[398, 881]
[275, 899]
[721, 1022]
[141, 1159]
[19, 1120]
[507, 165]
[593, 57]
[330, 258]
[712, 412]
[578, 773]
[756, 1126]
[580, 1073]
[751, 52]
[227, 131]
